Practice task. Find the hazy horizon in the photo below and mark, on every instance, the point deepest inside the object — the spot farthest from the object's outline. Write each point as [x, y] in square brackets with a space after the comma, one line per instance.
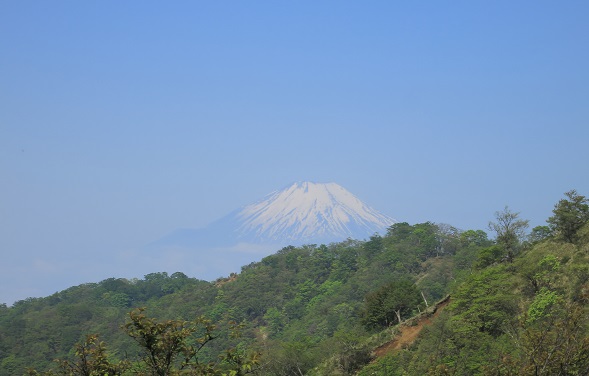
[122, 122]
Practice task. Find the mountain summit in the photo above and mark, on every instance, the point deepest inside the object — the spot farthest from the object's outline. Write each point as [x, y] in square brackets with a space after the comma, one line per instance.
[307, 212]
[302, 213]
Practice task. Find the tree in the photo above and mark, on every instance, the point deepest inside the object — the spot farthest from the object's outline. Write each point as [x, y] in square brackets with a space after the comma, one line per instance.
[399, 231]
[447, 239]
[292, 358]
[539, 233]
[554, 342]
[91, 360]
[373, 246]
[165, 345]
[569, 216]
[510, 231]
[389, 303]
[168, 348]
[485, 301]
[351, 353]
[475, 238]
[489, 256]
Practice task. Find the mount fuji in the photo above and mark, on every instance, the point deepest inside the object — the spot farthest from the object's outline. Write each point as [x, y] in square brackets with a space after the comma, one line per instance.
[301, 213]
[309, 213]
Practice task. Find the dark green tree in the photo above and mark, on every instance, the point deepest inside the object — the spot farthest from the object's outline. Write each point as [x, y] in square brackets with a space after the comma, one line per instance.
[475, 238]
[399, 231]
[390, 303]
[489, 256]
[373, 246]
[569, 216]
[539, 233]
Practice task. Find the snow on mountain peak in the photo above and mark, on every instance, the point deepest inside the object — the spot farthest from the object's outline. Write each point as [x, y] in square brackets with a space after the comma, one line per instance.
[302, 213]
[307, 211]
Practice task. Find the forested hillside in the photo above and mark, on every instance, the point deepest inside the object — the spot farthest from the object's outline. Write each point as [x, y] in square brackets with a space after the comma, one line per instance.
[522, 311]
[518, 305]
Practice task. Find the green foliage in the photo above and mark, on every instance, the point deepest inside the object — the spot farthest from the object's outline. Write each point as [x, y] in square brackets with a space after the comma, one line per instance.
[449, 347]
[168, 345]
[167, 348]
[10, 364]
[425, 239]
[541, 274]
[528, 317]
[490, 256]
[569, 216]
[539, 233]
[510, 230]
[291, 358]
[388, 366]
[301, 307]
[91, 359]
[390, 303]
[550, 344]
[275, 319]
[350, 353]
[117, 299]
[36, 331]
[542, 305]
[438, 275]
[485, 301]
[474, 237]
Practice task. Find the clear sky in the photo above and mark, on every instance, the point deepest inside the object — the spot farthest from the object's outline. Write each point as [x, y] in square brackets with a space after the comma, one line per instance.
[122, 121]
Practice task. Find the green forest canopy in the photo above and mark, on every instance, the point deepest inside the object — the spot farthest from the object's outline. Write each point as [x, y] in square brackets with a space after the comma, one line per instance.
[518, 306]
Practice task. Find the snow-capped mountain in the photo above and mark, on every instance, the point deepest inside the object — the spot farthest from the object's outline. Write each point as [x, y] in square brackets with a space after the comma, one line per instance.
[302, 213]
[308, 212]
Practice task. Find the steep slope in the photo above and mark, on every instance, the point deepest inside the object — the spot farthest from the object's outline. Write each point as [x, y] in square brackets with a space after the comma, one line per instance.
[410, 329]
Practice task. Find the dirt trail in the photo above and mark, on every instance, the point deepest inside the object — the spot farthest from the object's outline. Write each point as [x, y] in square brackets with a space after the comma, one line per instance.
[407, 334]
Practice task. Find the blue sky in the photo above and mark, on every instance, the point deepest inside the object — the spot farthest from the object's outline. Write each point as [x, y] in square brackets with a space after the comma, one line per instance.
[122, 121]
